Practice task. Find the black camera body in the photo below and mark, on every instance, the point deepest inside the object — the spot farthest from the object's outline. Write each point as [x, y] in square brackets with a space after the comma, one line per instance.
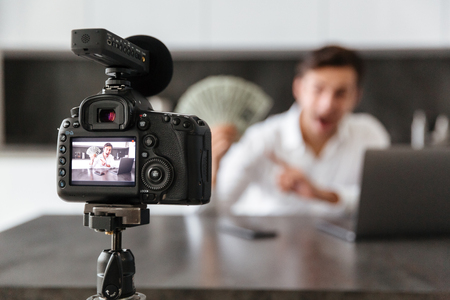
[115, 149]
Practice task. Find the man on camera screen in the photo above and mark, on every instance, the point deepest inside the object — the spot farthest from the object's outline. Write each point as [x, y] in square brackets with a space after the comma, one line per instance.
[104, 159]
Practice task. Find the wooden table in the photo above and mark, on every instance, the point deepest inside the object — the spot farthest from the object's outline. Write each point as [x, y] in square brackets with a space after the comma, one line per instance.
[98, 176]
[54, 257]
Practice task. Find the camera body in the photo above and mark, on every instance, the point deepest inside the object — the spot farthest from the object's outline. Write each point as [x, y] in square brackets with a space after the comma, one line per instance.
[115, 149]
[171, 153]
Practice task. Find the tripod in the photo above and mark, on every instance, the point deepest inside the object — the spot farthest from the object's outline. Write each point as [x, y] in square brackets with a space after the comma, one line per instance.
[115, 266]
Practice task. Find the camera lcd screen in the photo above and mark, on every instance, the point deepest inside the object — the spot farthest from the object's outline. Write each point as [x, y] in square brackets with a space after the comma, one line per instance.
[103, 161]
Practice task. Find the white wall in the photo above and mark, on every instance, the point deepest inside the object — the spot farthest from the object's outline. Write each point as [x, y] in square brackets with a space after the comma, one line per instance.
[2, 103]
[28, 188]
[231, 24]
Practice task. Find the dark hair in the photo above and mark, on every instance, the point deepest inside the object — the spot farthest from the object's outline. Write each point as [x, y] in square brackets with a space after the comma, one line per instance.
[107, 145]
[332, 56]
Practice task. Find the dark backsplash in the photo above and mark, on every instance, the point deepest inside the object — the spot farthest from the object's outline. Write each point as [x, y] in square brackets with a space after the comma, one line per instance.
[39, 92]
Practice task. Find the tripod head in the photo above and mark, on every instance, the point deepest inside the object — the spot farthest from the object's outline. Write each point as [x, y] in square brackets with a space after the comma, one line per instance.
[115, 266]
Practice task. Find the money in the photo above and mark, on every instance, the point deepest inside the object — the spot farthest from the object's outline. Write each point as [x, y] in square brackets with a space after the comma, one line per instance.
[226, 99]
[93, 150]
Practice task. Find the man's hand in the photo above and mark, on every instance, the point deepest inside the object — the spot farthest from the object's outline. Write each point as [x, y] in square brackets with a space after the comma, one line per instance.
[293, 180]
[222, 137]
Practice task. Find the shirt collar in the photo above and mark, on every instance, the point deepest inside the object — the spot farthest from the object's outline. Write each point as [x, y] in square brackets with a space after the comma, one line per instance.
[293, 138]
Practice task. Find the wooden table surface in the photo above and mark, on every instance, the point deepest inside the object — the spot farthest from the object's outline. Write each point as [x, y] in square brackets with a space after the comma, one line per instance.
[56, 254]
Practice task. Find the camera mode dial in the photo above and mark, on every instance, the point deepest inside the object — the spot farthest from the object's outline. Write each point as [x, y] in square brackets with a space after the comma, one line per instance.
[157, 174]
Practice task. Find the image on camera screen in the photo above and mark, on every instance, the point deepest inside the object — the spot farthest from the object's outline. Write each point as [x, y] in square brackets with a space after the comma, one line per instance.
[103, 161]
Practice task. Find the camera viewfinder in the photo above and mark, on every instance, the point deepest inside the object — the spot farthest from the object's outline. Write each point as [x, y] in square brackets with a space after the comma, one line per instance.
[106, 115]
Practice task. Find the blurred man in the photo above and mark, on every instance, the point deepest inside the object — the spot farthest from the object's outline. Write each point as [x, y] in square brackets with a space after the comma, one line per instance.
[104, 159]
[307, 160]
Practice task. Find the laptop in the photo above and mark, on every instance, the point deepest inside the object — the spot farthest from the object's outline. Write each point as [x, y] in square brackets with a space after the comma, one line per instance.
[404, 192]
[125, 166]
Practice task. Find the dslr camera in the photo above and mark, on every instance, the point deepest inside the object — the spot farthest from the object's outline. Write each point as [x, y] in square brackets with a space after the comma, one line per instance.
[115, 149]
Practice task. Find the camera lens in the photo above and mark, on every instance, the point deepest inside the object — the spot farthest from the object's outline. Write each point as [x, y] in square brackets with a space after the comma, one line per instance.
[106, 115]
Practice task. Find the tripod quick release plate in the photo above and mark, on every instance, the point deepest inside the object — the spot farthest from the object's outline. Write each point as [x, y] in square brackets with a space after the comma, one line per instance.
[103, 217]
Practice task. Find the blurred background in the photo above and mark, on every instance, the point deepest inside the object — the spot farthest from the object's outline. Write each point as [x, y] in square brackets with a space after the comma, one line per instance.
[405, 44]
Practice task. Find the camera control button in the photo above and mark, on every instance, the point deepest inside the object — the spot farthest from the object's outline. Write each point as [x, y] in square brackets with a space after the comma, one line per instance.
[143, 124]
[63, 138]
[156, 175]
[149, 141]
[62, 161]
[62, 184]
[144, 154]
[76, 124]
[166, 118]
[62, 172]
[186, 124]
[148, 196]
[66, 124]
[62, 149]
[176, 121]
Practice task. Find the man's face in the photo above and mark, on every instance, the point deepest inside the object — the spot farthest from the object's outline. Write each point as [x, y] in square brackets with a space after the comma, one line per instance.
[325, 96]
[107, 151]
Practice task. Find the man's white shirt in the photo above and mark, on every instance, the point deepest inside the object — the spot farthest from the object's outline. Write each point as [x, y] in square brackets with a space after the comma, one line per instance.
[247, 177]
[98, 163]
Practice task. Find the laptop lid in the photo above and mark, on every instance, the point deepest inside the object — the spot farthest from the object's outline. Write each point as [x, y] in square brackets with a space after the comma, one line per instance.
[125, 165]
[404, 192]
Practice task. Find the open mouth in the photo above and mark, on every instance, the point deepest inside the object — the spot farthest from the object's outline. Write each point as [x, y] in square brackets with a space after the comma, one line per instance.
[325, 123]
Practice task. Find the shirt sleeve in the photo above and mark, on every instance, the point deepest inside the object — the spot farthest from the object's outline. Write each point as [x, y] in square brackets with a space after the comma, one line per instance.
[371, 135]
[96, 161]
[239, 167]
[348, 197]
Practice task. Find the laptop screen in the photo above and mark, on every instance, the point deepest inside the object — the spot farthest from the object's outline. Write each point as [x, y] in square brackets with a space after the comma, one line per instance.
[95, 161]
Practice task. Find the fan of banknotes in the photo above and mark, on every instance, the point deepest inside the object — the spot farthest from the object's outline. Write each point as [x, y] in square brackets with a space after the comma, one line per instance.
[93, 150]
[226, 100]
